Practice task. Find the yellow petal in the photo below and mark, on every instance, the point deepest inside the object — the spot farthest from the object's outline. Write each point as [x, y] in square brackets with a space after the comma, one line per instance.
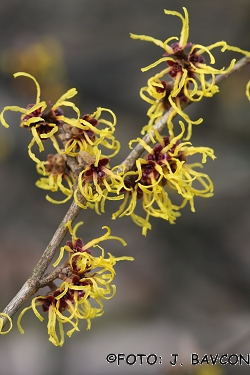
[19, 74]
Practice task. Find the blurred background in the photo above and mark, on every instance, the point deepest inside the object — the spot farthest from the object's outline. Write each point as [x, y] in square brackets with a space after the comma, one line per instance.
[188, 289]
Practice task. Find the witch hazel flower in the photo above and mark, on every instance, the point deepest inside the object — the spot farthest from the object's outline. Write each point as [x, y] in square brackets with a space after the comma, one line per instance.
[96, 182]
[90, 132]
[57, 174]
[185, 60]
[163, 170]
[43, 125]
[190, 77]
[80, 296]
[158, 94]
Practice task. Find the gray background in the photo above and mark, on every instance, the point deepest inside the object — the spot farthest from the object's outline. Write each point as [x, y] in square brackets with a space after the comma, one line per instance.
[188, 288]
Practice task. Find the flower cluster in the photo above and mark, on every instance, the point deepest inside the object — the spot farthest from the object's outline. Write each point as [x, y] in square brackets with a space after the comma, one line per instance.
[86, 282]
[166, 166]
[191, 78]
[164, 169]
[89, 139]
[91, 134]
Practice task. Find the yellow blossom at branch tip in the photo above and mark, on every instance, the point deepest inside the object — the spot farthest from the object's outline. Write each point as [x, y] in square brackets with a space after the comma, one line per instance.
[189, 73]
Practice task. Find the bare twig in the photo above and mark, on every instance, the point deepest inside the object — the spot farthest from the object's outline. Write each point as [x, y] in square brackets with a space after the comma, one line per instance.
[58, 272]
[35, 281]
